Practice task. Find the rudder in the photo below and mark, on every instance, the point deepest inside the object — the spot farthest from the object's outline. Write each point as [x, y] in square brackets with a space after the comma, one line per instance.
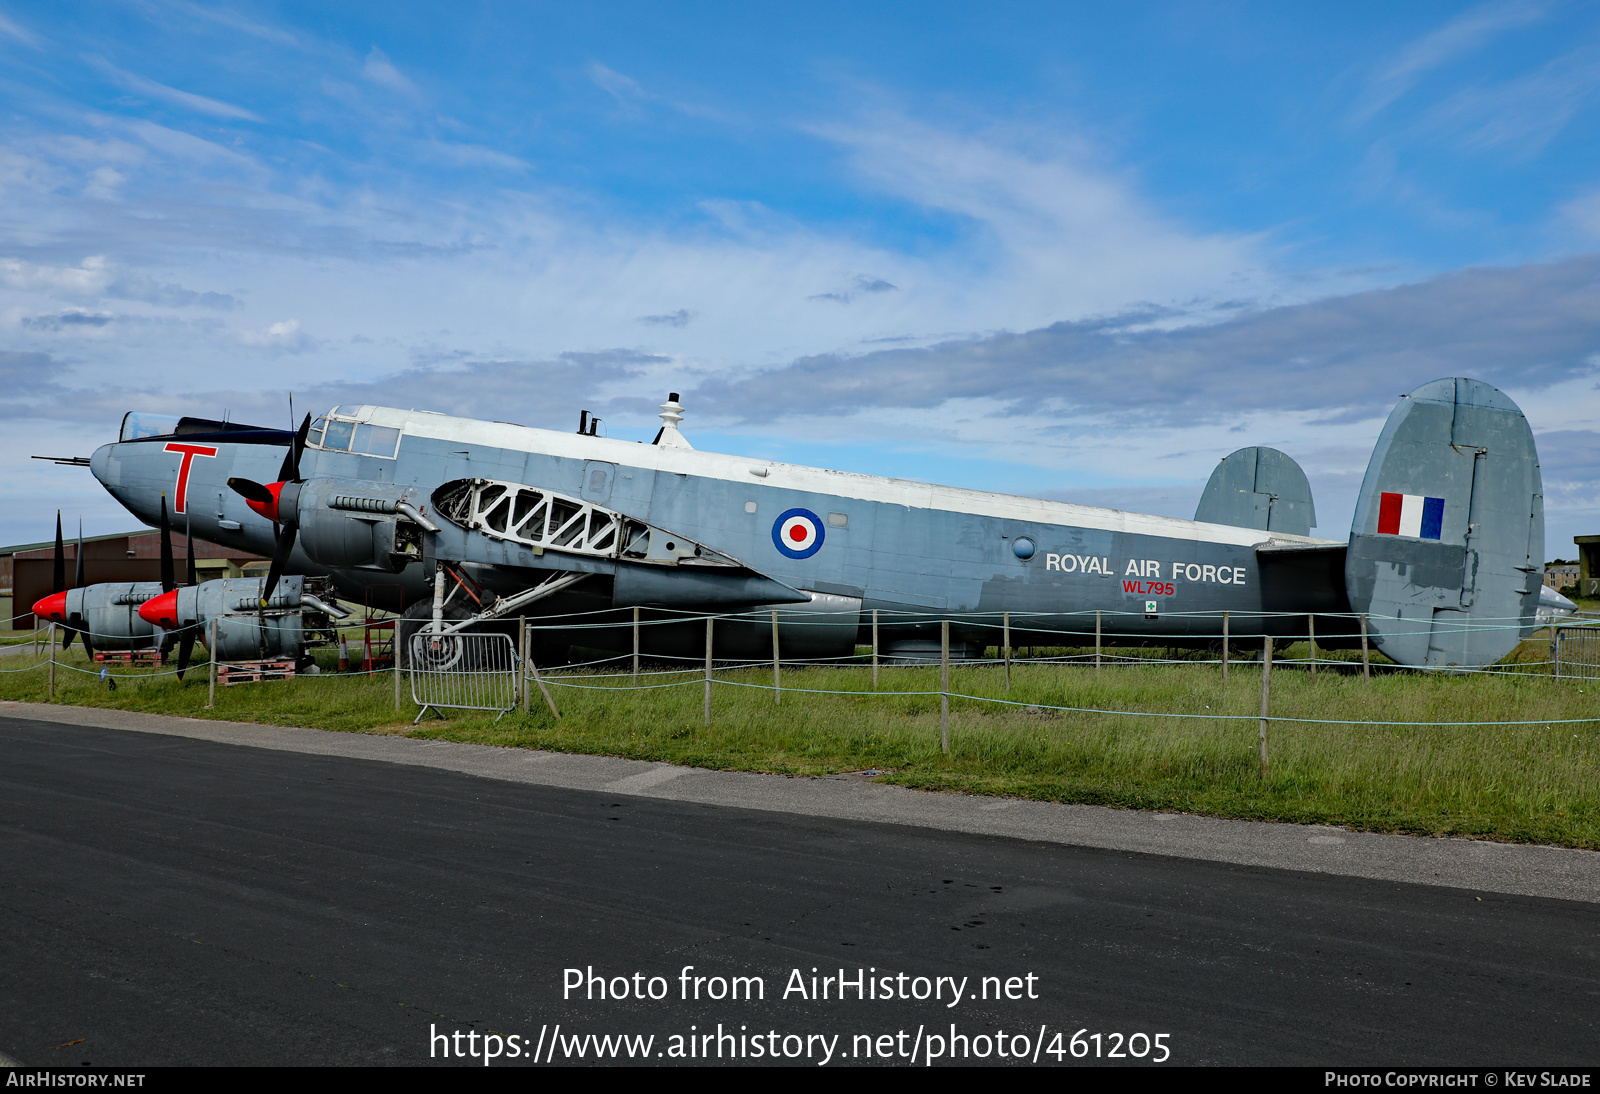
[1447, 543]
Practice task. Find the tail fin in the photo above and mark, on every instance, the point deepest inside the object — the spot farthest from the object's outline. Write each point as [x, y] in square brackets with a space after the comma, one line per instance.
[1447, 544]
[1259, 488]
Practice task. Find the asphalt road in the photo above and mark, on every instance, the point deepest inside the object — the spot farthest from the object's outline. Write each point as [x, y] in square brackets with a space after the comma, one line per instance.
[165, 900]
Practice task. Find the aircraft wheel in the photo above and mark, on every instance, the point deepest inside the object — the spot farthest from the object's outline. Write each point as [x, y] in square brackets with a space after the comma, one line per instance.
[447, 654]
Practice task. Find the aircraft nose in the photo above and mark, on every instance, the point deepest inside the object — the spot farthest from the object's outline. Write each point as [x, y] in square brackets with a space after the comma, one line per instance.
[161, 611]
[52, 607]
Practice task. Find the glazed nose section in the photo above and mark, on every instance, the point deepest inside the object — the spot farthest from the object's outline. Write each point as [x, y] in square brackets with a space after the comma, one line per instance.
[161, 611]
[52, 607]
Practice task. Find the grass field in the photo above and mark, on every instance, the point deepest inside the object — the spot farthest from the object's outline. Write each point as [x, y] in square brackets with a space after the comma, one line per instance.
[1534, 783]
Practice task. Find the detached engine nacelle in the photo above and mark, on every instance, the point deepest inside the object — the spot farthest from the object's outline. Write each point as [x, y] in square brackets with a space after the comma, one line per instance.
[108, 613]
[296, 618]
[357, 524]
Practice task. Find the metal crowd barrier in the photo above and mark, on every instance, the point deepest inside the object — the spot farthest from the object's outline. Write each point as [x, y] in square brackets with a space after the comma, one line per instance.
[463, 671]
[1575, 653]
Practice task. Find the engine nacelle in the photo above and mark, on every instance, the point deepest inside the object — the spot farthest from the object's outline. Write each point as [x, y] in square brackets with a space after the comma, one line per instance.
[296, 618]
[108, 611]
[357, 524]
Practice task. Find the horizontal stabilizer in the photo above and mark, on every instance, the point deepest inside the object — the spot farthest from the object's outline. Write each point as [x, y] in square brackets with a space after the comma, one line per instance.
[1259, 488]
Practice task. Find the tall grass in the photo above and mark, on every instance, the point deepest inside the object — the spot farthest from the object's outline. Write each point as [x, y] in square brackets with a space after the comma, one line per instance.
[1538, 782]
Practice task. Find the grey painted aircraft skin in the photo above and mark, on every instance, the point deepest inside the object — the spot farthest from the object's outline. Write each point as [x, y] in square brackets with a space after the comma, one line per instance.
[707, 532]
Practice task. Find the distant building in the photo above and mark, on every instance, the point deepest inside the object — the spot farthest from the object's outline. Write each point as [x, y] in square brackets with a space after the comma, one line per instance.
[1559, 577]
[1588, 565]
[26, 570]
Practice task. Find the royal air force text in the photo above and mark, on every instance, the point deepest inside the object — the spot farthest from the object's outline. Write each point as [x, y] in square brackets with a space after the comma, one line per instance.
[1144, 576]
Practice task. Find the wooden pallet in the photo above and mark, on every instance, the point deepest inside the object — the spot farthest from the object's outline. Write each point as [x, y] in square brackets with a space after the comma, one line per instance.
[131, 657]
[254, 672]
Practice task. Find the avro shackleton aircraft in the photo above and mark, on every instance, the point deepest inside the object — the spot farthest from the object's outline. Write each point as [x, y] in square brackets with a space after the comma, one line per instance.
[1444, 555]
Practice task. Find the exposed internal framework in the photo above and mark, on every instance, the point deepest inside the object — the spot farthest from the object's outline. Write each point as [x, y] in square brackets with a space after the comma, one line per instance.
[548, 521]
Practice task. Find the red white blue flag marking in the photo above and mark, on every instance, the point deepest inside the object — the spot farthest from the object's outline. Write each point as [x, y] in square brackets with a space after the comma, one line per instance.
[1410, 515]
[797, 533]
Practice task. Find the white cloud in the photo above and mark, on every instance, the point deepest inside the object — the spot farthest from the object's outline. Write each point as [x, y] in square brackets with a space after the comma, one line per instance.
[1065, 235]
[1464, 34]
[10, 29]
[625, 89]
[381, 71]
[89, 278]
[200, 104]
[285, 334]
[1523, 114]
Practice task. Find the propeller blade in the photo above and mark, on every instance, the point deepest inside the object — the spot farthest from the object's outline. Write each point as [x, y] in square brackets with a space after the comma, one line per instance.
[169, 578]
[250, 490]
[189, 577]
[280, 559]
[290, 471]
[67, 631]
[77, 621]
[185, 650]
[59, 573]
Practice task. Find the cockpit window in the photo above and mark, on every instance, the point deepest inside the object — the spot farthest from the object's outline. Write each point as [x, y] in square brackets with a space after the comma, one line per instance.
[136, 424]
[375, 440]
[368, 440]
[337, 434]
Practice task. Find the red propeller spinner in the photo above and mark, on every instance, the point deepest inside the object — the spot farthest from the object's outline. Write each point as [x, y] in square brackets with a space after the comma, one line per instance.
[160, 611]
[267, 508]
[52, 608]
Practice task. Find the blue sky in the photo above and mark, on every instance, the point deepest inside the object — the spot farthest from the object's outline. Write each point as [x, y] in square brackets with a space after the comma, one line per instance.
[1080, 251]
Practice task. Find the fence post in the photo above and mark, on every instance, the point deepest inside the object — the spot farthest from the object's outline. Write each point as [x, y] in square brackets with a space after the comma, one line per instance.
[777, 681]
[636, 647]
[1311, 633]
[1366, 664]
[1008, 649]
[708, 670]
[1555, 653]
[50, 642]
[1224, 648]
[523, 696]
[944, 686]
[1097, 645]
[1266, 693]
[396, 645]
[211, 690]
[874, 649]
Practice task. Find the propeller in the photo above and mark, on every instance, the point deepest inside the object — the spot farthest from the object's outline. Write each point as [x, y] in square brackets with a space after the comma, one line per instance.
[186, 643]
[162, 610]
[168, 579]
[264, 500]
[83, 627]
[58, 582]
[54, 606]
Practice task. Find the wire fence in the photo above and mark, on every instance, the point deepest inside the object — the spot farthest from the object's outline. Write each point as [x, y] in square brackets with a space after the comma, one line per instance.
[490, 672]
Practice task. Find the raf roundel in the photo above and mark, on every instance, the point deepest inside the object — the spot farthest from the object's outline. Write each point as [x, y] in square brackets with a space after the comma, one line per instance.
[797, 533]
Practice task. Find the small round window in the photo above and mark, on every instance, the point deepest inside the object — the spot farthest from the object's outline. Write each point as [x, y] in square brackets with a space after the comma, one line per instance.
[1023, 547]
